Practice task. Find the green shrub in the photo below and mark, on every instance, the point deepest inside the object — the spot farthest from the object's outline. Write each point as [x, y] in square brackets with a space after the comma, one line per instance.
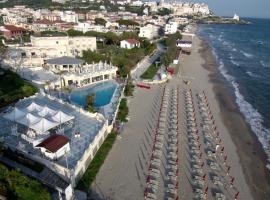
[91, 172]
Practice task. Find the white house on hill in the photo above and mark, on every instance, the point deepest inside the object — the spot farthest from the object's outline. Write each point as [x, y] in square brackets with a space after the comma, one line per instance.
[129, 43]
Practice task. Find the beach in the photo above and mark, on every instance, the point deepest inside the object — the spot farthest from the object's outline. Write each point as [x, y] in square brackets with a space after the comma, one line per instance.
[252, 157]
[123, 174]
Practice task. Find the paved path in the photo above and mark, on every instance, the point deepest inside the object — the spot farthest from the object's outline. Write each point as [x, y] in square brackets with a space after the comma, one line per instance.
[146, 62]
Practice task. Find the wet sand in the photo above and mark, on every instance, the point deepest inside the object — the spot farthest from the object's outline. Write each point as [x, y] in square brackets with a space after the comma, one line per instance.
[252, 156]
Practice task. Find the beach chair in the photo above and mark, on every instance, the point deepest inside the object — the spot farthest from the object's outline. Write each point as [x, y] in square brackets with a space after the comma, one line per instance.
[217, 181]
[220, 196]
[171, 178]
[197, 171]
[214, 166]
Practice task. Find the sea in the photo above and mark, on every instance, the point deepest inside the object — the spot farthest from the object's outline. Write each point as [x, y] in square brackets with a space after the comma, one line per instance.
[243, 56]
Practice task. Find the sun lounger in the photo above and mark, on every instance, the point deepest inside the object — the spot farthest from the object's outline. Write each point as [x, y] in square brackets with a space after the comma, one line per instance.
[171, 178]
[220, 196]
[197, 171]
[214, 166]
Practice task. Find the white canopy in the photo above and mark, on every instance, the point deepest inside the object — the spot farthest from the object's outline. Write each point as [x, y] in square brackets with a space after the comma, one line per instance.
[28, 119]
[46, 111]
[37, 117]
[61, 117]
[14, 114]
[43, 125]
[33, 107]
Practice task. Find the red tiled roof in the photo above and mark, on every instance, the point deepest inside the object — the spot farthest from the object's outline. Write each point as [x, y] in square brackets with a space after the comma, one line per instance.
[13, 28]
[43, 21]
[54, 143]
[132, 41]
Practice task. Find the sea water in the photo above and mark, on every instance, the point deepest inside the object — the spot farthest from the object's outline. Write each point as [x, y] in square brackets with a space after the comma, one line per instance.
[243, 56]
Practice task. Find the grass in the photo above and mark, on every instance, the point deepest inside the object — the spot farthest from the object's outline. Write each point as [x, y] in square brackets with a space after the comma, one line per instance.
[123, 110]
[91, 172]
[150, 72]
[13, 88]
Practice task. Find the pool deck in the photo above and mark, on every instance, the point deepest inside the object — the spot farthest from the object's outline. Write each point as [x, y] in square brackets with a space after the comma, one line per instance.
[88, 127]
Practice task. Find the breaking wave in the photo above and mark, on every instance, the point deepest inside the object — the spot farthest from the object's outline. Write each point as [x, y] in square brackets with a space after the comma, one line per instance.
[252, 116]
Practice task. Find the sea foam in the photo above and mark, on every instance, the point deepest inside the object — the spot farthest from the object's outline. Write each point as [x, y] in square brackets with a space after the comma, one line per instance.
[252, 116]
[248, 55]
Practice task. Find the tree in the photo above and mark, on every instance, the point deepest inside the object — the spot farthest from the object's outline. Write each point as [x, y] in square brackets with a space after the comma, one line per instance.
[72, 32]
[100, 21]
[89, 105]
[164, 11]
[127, 22]
[93, 56]
[170, 42]
[15, 185]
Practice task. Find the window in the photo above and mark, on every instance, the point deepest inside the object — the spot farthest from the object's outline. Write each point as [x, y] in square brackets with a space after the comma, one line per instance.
[23, 54]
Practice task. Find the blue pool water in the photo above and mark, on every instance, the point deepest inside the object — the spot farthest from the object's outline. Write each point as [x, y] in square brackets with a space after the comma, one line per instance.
[103, 91]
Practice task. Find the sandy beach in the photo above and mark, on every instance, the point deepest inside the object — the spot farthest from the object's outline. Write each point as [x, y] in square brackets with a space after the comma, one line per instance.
[252, 157]
[124, 173]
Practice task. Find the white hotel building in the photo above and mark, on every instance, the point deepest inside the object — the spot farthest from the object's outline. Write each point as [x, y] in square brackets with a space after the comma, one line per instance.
[43, 48]
[75, 72]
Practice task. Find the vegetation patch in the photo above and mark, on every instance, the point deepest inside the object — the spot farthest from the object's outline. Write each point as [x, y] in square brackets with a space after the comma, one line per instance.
[151, 71]
[170, 43]
[123, 110]
[91, 172]
[164, 11]
[13, 88]
[21, 159]
[129, 89]
[16, 186]
[89, 106]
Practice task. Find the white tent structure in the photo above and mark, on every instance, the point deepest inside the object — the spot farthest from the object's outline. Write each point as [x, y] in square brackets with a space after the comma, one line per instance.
[46, 111]
[14, 114]
[28, 119]
[33, 107]
[38, 118]
[61, 117]
[43, 125]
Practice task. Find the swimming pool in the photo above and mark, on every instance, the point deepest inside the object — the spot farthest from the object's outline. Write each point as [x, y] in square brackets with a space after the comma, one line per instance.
[103, 91]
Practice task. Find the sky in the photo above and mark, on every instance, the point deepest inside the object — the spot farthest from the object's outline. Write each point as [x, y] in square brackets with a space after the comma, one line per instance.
[243, 8]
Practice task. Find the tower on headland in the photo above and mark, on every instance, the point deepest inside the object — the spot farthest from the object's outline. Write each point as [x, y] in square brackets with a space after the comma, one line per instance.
[236, 17]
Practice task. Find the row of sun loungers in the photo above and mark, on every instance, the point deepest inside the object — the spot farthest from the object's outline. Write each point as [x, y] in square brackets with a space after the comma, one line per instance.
[172, 170]
[215, 151]
[154, 173]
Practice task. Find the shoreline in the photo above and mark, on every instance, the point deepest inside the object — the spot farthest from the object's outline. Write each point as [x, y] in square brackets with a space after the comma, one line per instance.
[253, 158]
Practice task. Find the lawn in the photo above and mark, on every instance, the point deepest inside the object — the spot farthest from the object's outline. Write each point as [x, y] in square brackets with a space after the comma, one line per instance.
[91, 172]
[151, 71]
[13, 88]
